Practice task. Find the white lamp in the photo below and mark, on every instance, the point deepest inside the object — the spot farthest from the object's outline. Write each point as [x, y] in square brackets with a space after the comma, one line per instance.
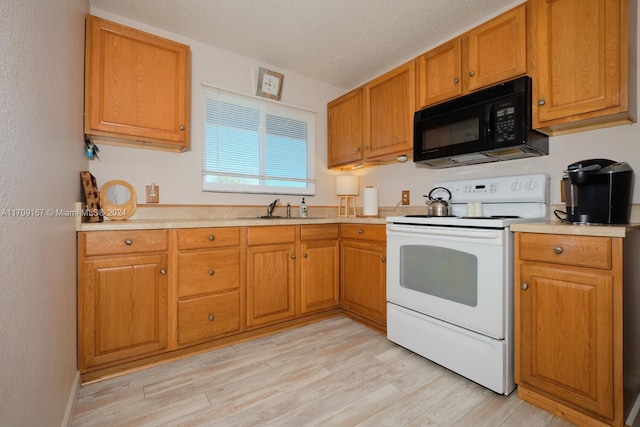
[347, 189]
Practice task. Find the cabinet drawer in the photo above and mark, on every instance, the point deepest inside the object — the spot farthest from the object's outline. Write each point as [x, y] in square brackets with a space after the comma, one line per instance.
[583, 251]
[271, 235]
[208, 271]
[202, 238]
[363, 232]
[124, 242]
[200, 319]
[319, 232]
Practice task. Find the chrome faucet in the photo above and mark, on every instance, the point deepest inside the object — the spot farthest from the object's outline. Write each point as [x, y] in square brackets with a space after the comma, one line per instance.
[272, 206]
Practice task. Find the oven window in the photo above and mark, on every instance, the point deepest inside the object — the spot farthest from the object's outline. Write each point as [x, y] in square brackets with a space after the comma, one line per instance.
[440, 272]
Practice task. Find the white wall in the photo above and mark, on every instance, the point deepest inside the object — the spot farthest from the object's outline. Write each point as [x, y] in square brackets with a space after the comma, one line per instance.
[179, 174]
[41, 155]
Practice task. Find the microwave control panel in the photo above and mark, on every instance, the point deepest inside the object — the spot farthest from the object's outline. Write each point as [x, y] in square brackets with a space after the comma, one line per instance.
[505, 124]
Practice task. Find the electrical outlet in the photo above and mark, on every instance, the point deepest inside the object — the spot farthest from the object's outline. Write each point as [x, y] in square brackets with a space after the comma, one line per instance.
[405, 197]
[153, 193]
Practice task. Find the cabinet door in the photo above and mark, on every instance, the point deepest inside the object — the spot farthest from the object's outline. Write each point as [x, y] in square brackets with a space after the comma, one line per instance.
[497, 50]
[364, 279]
[439, 74]
[345, 117]
[137, 85]
[564, 335]
[390, 104]
[319, 275]
[123, 309]
[270, 283]
[578, 55]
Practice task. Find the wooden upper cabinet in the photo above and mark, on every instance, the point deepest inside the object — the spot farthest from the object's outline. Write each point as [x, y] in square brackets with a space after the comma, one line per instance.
[497, 50]
[137, 87]
[389, 105]
[439, 72]
[580, 63]
[345, 117]
[490, 53]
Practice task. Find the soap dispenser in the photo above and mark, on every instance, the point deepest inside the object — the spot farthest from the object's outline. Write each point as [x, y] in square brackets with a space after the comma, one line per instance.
[303, 209]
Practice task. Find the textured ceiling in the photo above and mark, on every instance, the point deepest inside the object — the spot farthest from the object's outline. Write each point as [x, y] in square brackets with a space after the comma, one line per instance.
[341, 42]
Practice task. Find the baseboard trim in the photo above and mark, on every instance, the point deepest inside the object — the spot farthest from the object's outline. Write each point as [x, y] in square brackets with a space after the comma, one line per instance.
[67, 421]
[633, 420]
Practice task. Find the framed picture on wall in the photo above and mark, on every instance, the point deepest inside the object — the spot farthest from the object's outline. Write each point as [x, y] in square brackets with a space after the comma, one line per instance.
[269, 84]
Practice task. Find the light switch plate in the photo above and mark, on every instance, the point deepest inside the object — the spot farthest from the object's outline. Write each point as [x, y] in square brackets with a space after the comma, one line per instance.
[406, 197]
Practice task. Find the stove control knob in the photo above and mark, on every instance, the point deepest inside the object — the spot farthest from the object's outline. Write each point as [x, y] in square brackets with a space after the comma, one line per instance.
[524, 286]
[516, 186]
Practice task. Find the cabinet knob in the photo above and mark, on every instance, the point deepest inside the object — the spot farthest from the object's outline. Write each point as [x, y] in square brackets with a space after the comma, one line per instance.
[456, 80]
[163, 271]
[524, 286]
[360, 231]
[358, 150]
[212, 237]
[128, 242]
[181, 127]
[305, 255]
[211, 272]
[212, 317]
[293, 257]
[558, 250]
[472, 73]
[541, 102]
[366, 147]
[383, 259]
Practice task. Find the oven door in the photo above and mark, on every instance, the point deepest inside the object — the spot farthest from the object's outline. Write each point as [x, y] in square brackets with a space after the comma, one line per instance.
[458, 275]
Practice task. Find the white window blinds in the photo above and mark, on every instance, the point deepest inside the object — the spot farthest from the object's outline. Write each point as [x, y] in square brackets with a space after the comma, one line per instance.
[254, 145]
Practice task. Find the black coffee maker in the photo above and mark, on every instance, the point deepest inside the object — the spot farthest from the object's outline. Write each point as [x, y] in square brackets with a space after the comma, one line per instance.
[598, 191]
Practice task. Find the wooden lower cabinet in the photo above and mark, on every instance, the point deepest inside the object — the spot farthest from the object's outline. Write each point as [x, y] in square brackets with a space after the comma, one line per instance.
[319, 267]
[271, 255]
[363, 271]
[568, 325]
[209, 285]
[123, 298]
[145, 296]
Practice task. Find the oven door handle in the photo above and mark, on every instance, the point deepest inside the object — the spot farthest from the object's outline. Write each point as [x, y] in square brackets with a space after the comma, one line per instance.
[453, 232]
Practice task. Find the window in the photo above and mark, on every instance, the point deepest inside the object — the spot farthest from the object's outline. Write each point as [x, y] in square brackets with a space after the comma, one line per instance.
[254, 145]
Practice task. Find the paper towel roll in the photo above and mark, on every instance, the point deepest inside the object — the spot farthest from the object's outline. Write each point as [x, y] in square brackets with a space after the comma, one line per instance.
[370, 207]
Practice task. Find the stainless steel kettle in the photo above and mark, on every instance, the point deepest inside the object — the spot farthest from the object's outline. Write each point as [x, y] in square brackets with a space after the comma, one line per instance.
[437, 205]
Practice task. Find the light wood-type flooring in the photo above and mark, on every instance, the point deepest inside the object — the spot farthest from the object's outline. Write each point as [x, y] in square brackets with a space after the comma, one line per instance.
[335, 372]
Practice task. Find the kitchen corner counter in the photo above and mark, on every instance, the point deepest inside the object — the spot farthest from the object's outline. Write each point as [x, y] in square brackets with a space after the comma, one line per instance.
[555, 227]
[154, 224]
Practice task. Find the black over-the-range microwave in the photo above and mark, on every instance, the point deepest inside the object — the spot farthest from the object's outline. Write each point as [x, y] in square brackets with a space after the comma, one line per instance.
[485, 126]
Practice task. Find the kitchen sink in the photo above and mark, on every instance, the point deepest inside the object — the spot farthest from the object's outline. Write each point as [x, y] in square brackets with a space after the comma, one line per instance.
[280, 217]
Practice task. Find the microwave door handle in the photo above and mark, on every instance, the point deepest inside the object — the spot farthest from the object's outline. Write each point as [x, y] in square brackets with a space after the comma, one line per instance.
[488, 124]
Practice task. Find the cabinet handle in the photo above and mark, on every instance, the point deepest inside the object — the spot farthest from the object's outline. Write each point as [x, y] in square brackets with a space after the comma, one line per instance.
[558, 250]
[212, 237]
[472, 73]
[305, 255]
[212, 317]
[456, 80]
[163, 271]
[293, 257]
[181, 127]
[541, 102]
[524, 286]
[383, 259]
[211, 272]
[360, 231]
[128, 242]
